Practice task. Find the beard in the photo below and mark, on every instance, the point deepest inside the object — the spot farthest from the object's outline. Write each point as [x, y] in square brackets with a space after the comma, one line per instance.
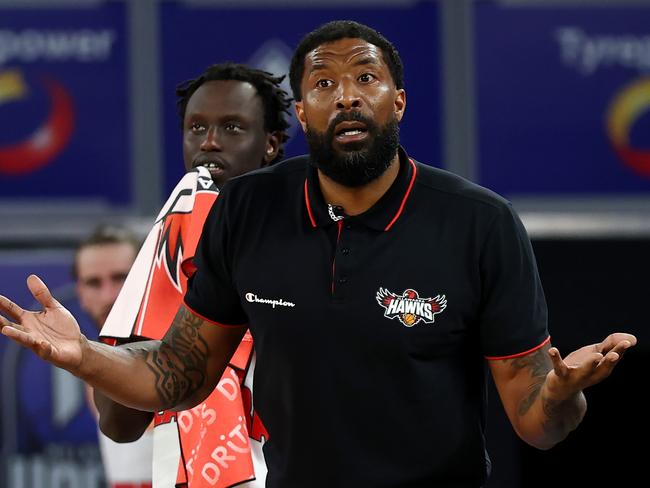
[356, 163]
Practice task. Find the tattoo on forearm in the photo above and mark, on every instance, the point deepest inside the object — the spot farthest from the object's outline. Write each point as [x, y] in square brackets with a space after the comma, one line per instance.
[561, 416]
[180, 363]
[538, 365]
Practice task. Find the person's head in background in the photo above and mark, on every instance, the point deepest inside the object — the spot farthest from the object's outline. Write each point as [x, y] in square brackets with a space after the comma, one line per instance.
[233, 119]
[101, 263]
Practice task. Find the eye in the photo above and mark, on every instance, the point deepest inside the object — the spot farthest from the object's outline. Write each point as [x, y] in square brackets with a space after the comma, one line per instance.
[196, 127]
[94, 283]
[119, 278]
[324, 83]
[366, 78]
[231, 127]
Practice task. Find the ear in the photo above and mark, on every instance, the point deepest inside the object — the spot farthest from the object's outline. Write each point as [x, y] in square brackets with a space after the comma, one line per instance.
[300, 114]
[273, 144]
[400, 104]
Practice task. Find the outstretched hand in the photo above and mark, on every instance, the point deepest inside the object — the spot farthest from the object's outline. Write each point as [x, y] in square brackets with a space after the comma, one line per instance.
[586, 366]
[53, 334]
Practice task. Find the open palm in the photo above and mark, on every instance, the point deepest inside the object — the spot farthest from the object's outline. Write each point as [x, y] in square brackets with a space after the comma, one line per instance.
[590, 364]
[53, 333]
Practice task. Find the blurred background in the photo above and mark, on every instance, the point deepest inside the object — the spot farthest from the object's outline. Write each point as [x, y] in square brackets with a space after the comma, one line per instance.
[547, 102]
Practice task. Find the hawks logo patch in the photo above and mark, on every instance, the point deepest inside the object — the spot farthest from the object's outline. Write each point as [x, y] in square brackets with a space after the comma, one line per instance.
[409, 308]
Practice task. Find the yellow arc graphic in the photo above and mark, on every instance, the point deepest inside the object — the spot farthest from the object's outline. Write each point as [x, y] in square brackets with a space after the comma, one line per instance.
[626, 108]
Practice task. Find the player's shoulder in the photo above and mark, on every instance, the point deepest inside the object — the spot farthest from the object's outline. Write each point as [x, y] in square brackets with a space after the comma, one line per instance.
[276, 179]
[289, 168]
[443, 184]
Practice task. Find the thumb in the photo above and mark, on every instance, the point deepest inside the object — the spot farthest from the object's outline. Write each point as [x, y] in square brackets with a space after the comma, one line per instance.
[41, 292]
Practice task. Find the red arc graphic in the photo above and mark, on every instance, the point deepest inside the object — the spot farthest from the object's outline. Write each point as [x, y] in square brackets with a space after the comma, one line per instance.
[47, 141]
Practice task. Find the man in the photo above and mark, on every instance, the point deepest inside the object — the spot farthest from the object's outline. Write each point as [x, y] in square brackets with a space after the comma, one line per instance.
[377, 290]
[101, 264]
[232, 120]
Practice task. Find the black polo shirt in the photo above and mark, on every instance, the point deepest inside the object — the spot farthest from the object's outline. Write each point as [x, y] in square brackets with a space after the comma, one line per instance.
[371, 332]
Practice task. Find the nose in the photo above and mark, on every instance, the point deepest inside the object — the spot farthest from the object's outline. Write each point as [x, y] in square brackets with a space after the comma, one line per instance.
[211, 141]
[348, 96]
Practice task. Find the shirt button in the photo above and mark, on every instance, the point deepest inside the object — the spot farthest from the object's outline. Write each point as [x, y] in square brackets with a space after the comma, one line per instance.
[343, 280]
[345, 251]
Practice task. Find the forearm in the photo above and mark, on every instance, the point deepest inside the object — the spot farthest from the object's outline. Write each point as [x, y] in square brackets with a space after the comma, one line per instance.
[118, 422]
[542, 410]
[551, 417]
[123, 373]
[175, 373]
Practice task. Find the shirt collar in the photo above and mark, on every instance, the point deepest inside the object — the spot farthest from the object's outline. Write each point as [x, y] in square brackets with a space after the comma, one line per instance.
[382, 215]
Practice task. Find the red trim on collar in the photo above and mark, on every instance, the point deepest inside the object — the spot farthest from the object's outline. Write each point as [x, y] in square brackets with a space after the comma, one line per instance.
[311, 215]
[406, 195]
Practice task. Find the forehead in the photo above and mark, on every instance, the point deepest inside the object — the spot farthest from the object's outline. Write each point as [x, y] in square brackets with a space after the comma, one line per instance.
[225, 97]
[105, 258]
[346, 51]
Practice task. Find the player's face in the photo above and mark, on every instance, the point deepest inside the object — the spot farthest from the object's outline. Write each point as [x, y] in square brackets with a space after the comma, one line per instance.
[224, 130]
[101, 271]
[350, 110]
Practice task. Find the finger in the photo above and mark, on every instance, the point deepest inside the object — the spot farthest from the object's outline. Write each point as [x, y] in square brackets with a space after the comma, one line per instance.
[559, 365]
[605, 367]
[616, 338]
[611, 358]
[42, 348]
[41, 292]
[10, 309]
[620, 348]
[7, 323]
[596, 360]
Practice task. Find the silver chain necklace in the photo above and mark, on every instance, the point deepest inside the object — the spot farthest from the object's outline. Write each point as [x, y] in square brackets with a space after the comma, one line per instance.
[333, 216]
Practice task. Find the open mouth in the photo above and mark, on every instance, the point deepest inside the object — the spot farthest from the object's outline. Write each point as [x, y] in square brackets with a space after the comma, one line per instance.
[214, 166]
[350, 132]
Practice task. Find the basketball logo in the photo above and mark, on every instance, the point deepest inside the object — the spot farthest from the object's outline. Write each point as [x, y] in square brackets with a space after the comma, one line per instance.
[409, 308]
[409, 319]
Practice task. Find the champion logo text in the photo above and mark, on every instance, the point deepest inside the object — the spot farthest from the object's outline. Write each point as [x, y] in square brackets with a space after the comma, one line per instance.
[274, 302]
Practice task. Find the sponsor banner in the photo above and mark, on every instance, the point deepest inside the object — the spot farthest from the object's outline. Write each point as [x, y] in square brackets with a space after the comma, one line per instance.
[48, 433]
[564, 100]
[197, 36]
[63, 105]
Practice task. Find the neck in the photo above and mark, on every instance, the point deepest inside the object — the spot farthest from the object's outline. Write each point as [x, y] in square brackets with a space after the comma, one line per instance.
[357, 200]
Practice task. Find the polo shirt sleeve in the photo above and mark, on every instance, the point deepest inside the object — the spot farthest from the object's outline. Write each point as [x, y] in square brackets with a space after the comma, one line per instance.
[211, 293]
[513, 318]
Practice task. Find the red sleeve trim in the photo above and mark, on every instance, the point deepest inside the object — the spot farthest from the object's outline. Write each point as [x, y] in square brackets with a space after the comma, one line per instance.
[512, 356]
[225, 326]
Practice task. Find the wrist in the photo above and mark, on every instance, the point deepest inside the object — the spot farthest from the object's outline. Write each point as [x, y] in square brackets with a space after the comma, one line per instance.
[83, 369]
[557, 391]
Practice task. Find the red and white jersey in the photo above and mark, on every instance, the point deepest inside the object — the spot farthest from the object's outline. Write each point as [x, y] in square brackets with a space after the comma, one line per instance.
[195, 448]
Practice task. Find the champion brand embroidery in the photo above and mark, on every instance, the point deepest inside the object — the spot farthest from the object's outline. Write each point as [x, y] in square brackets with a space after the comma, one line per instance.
[409, 308]
[274, 302]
